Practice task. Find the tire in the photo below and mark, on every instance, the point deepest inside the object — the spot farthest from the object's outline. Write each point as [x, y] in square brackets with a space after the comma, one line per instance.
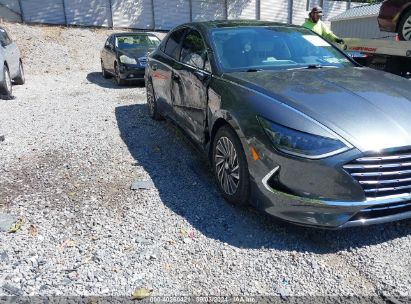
[151, 102]
[6, 87]
[228, 154]
[104, 72]
[404, 27]
[20, 78]
[119, 81]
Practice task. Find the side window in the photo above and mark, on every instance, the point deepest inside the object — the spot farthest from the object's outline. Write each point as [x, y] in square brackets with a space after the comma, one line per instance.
[8, 39]
[109, 41]
[172, 47]
[152, 41]
[193, 51]
[4, 37]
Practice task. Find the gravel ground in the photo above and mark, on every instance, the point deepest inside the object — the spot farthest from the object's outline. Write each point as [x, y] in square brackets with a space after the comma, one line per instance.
[74, 144]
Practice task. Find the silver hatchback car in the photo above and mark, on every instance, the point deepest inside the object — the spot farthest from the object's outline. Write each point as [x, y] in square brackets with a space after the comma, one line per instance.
[11, 65]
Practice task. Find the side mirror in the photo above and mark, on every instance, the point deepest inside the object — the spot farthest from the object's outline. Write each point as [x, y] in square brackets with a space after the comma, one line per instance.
[108, 47]
[3, 43]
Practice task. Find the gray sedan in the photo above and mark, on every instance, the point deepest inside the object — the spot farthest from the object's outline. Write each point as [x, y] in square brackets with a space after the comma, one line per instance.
[291, 124]
[11, 65]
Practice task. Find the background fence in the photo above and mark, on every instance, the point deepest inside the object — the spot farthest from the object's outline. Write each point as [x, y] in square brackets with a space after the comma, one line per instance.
[160, 14]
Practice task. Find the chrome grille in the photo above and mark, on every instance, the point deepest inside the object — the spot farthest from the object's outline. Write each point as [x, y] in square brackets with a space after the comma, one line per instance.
[383, 175]
[383, 210]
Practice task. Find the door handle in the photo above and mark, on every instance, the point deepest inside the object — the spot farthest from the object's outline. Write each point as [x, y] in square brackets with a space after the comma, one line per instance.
[176, 77]
[154, 67]
[200, 75]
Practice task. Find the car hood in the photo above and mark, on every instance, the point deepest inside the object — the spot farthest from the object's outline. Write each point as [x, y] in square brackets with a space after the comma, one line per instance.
[368, 108]
[135, 53]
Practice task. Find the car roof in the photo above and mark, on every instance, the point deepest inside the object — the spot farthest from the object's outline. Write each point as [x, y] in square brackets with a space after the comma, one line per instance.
[132, 34]
[206, 25]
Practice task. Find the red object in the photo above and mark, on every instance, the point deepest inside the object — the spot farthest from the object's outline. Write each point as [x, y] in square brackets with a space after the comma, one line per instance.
[391, 13]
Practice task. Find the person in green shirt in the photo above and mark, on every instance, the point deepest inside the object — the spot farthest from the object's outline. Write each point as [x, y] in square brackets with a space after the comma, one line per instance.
[315, 24]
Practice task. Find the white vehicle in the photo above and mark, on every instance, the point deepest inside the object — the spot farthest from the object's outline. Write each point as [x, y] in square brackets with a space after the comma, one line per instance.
[388, 55]
[11, 65]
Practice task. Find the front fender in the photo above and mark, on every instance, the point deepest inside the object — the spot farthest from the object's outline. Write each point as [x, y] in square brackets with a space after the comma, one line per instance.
[230, 106]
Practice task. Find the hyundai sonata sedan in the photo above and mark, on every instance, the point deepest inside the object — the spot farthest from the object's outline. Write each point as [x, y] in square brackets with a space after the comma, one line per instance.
[124, 55]
[290, 123]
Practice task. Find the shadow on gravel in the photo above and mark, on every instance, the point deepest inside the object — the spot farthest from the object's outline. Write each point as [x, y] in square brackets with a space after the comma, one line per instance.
[98, 79]
[186, 186]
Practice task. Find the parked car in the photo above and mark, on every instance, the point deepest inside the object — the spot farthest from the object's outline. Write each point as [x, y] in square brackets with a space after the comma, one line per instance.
[124, 55]
[395, 17]
[291, 124]
[11, 65]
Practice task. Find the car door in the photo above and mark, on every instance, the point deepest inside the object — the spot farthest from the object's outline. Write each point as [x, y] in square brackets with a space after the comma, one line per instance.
[189, 85]
[161, 65]
[11, 53]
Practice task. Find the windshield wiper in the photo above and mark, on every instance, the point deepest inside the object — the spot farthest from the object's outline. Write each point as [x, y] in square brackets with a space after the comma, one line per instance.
[254, 70]
[313, 67]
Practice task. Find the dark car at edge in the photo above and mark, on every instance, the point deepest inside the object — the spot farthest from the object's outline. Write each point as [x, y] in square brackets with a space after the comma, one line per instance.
[124, 55]
[290, 123]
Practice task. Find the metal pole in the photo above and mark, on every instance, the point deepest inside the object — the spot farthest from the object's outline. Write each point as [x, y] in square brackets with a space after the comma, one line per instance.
[290, 11]
[21, 11]
[190, 2]
[258, 9]
[348, 4]
[225, 9]
[65, 13]
[111, 13]
[153, 15]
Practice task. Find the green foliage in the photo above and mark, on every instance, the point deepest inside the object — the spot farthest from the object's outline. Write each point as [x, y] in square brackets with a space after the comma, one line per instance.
[364, 1]
[374, 1]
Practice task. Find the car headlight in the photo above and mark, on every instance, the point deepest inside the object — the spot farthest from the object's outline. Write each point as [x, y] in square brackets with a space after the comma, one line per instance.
[300, 143]
[127, 60]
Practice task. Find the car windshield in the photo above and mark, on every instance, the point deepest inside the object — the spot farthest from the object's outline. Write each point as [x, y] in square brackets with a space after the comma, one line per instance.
[261, 48]
[137, 41]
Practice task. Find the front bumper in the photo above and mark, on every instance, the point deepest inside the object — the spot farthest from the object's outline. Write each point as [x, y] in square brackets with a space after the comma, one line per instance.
[318, 193]
[132, 72]
[334, 214]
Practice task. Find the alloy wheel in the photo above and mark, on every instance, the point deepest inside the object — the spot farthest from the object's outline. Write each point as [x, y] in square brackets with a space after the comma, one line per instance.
[22, 76]
[227, 165]
[118, 79]
[406, 28]
[117, 74]
[150, 99]
[7, 81]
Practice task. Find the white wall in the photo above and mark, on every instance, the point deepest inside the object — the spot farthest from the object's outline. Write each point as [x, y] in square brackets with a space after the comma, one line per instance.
[163, 14]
